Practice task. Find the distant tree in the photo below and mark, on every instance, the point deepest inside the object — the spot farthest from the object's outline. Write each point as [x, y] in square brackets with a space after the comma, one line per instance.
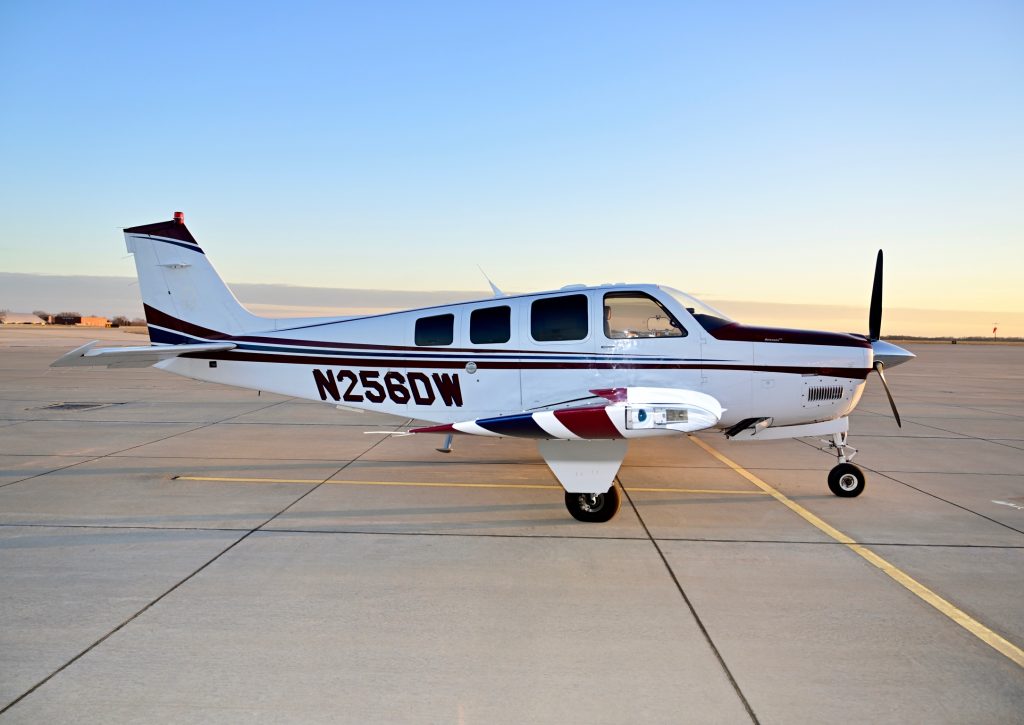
[41, 314]
[138, 322]
[120, 321]
[3, 314]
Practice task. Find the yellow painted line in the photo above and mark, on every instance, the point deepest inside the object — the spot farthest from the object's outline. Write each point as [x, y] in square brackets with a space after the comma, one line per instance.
[445, 484]
[361, 483]
[972, 625]
[698, 490]
[247, 480]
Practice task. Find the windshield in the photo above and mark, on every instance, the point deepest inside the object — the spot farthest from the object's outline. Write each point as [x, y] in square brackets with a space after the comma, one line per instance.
[708, 317]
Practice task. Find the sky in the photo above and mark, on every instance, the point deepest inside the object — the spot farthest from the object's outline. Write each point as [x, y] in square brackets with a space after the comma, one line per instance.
[757, 152]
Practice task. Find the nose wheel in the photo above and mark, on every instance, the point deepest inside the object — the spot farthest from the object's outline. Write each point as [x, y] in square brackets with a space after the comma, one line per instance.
[846, 480]
[593, 507]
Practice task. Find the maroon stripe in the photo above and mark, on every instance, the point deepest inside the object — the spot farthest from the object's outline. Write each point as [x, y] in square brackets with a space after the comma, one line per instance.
[446, 428]
[751, 333]
[162, 319]
[615, 395]
[588, 422]
[170, 230]
[361, 362]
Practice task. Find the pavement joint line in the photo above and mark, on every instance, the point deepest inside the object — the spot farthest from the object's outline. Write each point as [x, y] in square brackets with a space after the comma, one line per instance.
[152, 603]
[137, 614]
[934, 495]
[979, 630]
[693, 610]
[964, 435]
[119, 452]
[688, 539]
[451, 484]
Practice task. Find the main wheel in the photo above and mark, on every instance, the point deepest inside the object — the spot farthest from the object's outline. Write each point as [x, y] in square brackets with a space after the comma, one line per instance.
[593, 507]
[846, 480]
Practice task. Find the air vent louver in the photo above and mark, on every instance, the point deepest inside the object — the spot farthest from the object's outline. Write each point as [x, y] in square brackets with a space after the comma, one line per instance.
[825, 392]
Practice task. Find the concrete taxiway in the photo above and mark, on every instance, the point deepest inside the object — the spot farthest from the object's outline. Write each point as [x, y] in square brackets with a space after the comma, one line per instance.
[178, 551]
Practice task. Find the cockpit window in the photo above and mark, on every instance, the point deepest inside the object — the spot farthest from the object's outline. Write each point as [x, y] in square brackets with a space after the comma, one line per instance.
[634, 314]
[708, 317]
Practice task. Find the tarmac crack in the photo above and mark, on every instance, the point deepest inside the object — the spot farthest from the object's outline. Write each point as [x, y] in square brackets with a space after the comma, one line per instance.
[693, 611]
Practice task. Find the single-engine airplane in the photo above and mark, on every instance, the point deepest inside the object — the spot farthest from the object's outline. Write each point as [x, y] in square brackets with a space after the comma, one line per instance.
[582, 369]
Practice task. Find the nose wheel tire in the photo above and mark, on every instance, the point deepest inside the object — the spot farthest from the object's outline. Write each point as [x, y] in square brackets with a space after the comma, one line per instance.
[593, 507]
[846, 480]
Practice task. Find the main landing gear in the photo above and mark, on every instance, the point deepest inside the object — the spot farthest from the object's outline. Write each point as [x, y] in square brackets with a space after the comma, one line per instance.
[845, 480]
[593, 507]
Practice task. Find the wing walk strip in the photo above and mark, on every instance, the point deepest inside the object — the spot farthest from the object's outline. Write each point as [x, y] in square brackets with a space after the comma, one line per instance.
[979, 630]
[452, 484]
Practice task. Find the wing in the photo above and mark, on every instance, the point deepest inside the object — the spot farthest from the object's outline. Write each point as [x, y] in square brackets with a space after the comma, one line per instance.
[629, 413]
[132, 357]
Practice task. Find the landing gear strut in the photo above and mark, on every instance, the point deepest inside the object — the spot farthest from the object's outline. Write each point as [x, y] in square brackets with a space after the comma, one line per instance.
[593, 507]
[845, 480]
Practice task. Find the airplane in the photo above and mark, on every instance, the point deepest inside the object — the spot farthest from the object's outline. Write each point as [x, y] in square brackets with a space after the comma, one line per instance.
[582, 370]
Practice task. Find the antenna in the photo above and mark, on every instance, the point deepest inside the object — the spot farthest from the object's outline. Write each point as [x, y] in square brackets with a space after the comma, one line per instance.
[494, 288]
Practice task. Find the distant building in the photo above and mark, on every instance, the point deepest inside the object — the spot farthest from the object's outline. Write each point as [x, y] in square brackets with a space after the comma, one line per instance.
[22, 318]
[63, 319]
[94, 322]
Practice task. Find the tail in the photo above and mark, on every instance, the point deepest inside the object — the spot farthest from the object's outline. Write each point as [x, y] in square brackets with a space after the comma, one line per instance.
[183, 296]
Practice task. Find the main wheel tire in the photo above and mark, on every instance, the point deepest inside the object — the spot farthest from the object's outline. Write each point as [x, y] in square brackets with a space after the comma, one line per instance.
[846, 480]
[593, 507]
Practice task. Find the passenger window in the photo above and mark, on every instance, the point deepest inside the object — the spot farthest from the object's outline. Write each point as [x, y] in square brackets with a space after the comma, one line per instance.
[559, 318]
[490, 325]
[436, 330]
[633, 314]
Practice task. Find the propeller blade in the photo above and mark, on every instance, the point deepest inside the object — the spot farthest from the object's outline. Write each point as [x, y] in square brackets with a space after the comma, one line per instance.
[875, 312]
[892, 403]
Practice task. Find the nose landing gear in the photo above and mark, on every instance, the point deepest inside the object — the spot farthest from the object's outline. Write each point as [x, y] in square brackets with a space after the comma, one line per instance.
[845, 480]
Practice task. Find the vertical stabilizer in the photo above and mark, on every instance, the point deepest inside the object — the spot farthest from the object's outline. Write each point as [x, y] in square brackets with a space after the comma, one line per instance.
[183, 295]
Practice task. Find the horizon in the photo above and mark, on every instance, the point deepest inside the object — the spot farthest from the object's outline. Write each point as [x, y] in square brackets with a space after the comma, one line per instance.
[24, 292]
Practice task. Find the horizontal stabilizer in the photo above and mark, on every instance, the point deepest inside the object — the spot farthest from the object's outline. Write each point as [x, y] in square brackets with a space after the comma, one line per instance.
[131, 357]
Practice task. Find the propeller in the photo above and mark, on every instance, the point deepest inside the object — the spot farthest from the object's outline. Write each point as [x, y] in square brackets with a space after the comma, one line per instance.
[879, 367]
[875, 311]
[875, 332]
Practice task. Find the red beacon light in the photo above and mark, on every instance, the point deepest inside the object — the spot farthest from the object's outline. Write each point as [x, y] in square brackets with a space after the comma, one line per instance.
[179, 217]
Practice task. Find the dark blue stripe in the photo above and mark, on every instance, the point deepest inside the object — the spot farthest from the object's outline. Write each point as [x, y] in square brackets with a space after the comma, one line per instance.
[162, 337]
[517, 426]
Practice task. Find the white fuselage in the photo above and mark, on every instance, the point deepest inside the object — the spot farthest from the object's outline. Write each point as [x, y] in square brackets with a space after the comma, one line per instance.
[375, 363]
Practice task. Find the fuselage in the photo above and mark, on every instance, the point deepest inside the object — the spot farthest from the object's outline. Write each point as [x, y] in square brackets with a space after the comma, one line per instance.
[539, 351]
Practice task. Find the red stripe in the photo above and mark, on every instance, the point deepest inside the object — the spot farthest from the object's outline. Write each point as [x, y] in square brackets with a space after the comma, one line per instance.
[616, 395]
[588, 422]
[446, 428]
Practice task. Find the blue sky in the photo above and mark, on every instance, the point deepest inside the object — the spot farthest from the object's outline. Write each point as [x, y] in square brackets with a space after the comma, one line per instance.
[738, 150]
